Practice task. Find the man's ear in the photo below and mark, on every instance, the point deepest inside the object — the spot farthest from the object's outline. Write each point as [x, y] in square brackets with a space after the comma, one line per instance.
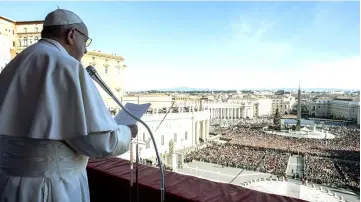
[70, 36]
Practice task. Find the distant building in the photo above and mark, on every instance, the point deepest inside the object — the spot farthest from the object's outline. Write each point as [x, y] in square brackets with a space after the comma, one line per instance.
[337, 92]
[263, 93]
[283, 103]
[264, 107]
[186, 98]
[111, 68]
[157, 101]
[248, 107]
[243, 110]
[346, 109]
[5, 55]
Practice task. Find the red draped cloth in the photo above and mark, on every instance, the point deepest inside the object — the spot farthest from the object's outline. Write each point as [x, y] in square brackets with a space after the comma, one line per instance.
[109, 181]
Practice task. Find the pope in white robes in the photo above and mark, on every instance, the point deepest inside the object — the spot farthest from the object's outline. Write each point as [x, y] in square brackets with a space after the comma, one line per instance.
[52, 118]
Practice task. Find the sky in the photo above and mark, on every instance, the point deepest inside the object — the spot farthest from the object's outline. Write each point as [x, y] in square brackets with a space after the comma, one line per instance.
[221, 45]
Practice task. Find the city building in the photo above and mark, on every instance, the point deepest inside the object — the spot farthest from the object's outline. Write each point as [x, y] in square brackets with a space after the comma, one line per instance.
[243, 110]
[346, 109]
[5, 55]
[252, 104]
[157, 101]
[111, 69]
[22, 34]
[283, 103]
[340, 92]
[264, 93]
[186, 98]
[264, 107]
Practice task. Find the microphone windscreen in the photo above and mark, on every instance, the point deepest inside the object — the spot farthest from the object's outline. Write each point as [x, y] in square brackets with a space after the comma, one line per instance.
[91, 70]
[95, 76]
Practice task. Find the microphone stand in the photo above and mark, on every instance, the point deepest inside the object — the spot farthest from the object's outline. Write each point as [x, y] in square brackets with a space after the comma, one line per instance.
[164, 117]
[137, 157]
[136, 171]
[131, 171]
[94, 75]
[162, 120]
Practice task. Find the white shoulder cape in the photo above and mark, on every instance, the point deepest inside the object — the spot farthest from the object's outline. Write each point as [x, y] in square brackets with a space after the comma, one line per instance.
[47, 94]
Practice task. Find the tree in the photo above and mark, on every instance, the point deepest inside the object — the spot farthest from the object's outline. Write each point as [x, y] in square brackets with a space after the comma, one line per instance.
[277, 120]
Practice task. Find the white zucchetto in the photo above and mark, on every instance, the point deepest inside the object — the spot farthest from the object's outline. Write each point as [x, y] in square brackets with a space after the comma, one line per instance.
[61, 17]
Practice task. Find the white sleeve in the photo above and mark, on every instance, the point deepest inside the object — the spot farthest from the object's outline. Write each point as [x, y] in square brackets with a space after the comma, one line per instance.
[102, 144]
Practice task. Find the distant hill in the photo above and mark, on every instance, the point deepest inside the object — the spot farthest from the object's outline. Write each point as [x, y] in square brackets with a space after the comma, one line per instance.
[189, 89]
[272, 89]
[185, 89]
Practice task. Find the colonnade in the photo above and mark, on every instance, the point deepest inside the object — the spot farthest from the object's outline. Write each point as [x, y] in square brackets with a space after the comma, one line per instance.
[201, 130]
[180, 110]
[231, 113]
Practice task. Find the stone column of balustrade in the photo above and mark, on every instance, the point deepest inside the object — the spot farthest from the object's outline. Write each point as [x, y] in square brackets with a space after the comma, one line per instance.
[197, 132]
[193, 133]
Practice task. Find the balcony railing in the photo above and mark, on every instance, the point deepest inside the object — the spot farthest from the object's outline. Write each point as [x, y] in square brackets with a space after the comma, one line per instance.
[109, 180]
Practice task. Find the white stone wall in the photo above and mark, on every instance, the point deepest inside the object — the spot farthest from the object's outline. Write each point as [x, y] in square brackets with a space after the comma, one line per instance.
[5, 55]
[319, 109]
[184, 129]
[344, 109]
[283, 103]
[264, 107]
[157, 101]
[339, 109]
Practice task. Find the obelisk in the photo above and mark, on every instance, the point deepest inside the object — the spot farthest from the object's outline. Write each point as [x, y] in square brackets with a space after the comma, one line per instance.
[298, 125]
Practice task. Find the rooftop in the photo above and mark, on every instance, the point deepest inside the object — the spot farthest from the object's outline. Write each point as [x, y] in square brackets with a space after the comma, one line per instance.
[107, 55]
[22, 22]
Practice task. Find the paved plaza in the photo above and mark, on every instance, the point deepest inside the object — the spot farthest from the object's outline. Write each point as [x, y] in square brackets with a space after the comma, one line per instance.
[221, 174]
[238, 176]
[293, 190]
[303, 134]
[295, 164]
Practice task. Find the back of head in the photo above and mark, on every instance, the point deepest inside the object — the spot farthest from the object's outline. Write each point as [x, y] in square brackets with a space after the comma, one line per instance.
[61, 17]
[58, 21]
[65, 27]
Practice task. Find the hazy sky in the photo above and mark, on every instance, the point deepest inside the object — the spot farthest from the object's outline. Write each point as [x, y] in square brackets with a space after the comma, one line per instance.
[221, 44]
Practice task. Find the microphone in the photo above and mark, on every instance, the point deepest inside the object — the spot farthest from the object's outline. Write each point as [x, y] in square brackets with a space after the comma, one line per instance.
[95, 76]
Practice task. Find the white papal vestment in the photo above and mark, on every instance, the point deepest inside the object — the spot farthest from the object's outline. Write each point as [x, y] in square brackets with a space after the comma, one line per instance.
[52, 119]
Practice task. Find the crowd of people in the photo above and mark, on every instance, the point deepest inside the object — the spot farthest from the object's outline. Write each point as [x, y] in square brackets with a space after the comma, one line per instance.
[332, 172]
[249, 158]
[258, 122]
[250, 147]
[351, 172]
[345, 145]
